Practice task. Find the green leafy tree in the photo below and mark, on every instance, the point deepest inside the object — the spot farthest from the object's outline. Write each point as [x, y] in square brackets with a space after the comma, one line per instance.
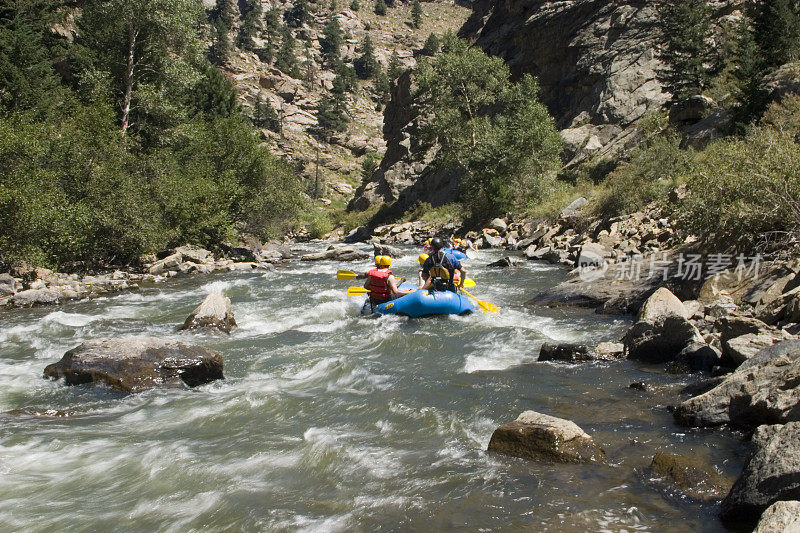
[687, 51]
[380, 7]
[150, 49]
[416, 14]
[369, 164]
[345, 80]
[285, 59]
[221, 48]
[251, 25]
[366, 65]
[331, 117]
[431, 46]
[749, 73]
[395, 67]
[331, 40]
[494, 134]
[298, 14]
[214, 95]
[265, 116]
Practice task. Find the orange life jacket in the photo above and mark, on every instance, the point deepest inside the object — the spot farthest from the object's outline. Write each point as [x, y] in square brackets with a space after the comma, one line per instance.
[379, 284]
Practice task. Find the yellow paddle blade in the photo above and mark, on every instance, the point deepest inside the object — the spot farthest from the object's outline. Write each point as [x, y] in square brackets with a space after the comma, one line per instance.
[486, 307]
[346, 274]
[469, 283]
[357, 291]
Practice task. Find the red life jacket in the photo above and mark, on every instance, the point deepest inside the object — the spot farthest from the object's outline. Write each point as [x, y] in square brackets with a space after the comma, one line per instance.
[379, 284]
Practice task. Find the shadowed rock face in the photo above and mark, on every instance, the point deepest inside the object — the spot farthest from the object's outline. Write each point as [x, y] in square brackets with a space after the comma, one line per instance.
[137, 363]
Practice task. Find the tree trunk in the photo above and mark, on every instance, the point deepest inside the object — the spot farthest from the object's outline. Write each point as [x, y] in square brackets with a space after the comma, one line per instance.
[126, 101]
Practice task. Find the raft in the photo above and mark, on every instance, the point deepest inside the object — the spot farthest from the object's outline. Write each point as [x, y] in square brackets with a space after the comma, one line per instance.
[423, 303]
[456, 253]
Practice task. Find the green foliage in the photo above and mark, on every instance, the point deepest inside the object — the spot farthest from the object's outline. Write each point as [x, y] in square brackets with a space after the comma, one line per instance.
[298, 14]
[369, 165]
[214, 95]
[225, 12]
[285, 59]
[382, 86]
[345, 80]
[355, 5]
[493, 133]
[251, 25]
[395, 67]
[745, 192]
[431, 46]
[221, 48]
[331, 116]
[687, 52]
[331, 40]
[366, 65]
[380, 7]
[416, 14]
[265, 116]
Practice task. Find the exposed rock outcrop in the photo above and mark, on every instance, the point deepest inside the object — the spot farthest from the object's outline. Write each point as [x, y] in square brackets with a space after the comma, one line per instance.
[214, 313]
[545, 438]
[137, 363]
[780, 517]
[771, 474]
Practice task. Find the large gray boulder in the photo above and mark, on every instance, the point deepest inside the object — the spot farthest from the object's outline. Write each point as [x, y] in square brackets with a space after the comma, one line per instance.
[133, 364]
[743, 337]
[8, 285]
[763, 390]
[577, 353]
[662, 330]
[385, 249]
[36, 297]
[545, 438]
[214, 313]
[337, 253]
[771, 473]
[780, 517]
[171, 262]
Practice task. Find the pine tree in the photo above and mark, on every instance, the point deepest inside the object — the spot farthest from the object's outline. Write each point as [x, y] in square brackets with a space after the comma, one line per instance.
[298, 14]
[380, 7]
[776, 30]
[251, 24]
[395, 67]
[687, 53]
[431, 46]
[416, 14]
[225, 11]
[330, 117]
[214, 95]
[285, 59]
[221, 48]
[749, 75]
[345, 80]
[382, 86]
[355, 5]
[366, 65]
[334, 6]
[265, 116]
[331, 40]
[309, 68]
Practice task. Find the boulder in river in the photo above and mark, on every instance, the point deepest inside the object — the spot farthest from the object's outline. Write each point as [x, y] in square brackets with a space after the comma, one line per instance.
[690, 476]
[505, 262]
[545, 438]
[338, 253]
[385, 249]
[763, 390]
[34, 297]
[575, 353]
[171, 262]
[771, 473]
[132, 364]
[215, 312]
[780, 517]
[662, 329]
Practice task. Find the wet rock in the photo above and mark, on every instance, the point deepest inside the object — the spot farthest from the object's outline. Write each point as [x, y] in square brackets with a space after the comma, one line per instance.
[35, 297]
[505, 262]
[171, 262]
[545, 438]
[610, 350]
[697, 357]
[8, 286]
[137, 363]
[662, 330]
[491, 239]
[691, 476]
[215, 313]
[780, 517]
[385, 249]
[573, 353]
[641, 385]
[762, 390]
[338, 253]
[702, 386]
[771, 473]
[592, 254]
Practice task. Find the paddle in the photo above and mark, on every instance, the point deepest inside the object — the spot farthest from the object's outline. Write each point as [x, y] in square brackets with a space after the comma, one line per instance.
[357, 291]
[486, 307]
[347, 274]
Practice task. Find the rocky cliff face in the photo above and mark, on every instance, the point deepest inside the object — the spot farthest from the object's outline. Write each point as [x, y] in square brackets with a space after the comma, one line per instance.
[596, 62]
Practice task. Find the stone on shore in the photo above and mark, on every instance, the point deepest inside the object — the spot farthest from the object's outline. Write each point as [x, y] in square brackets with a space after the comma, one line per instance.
[577, 353]
[338, 253]
[780, 517]
[132, 364]
[545, 438]
[771, 473]
[171, 262]
[8, 285]
[763, 390]
[743, 337]
[689, 475]
[34, 297]
[214, 313]
[662, 329]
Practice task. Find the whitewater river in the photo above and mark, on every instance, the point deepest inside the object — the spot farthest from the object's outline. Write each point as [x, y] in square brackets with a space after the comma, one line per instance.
[327, 421]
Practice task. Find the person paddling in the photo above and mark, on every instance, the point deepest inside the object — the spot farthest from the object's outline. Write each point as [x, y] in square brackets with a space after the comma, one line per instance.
[421, 277]
[439, 269]
[381, 283]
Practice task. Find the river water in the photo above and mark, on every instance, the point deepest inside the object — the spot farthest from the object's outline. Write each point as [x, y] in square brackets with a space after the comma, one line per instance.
[327, 421]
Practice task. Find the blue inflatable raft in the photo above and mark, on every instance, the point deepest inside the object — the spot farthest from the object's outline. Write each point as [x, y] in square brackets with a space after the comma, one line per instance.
[455, 253]
[423, 303]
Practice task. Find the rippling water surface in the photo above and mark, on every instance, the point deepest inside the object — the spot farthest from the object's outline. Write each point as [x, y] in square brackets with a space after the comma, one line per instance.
[327, 421]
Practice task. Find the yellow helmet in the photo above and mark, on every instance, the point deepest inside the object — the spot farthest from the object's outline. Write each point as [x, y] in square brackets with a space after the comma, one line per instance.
[383, 260]
[422, 258]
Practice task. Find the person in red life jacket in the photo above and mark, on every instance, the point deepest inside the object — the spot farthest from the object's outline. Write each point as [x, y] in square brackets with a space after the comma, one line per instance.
[439, 269]
[381, 282]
